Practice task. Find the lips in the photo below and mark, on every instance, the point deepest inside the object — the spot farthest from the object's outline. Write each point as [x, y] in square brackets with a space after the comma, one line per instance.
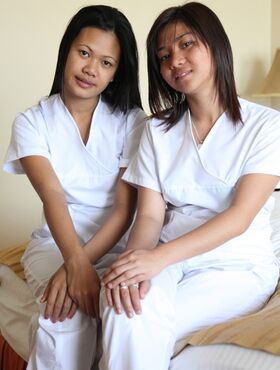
[181, 74]
[84, 83]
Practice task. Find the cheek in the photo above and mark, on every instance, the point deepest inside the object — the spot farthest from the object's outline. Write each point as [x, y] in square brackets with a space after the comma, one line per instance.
[164, 72]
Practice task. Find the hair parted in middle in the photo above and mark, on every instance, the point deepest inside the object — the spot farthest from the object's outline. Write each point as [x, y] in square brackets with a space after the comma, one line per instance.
[123, 92]
[168, 104]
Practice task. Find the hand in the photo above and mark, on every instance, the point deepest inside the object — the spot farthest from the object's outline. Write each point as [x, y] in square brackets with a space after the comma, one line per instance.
[132, 266]
[83, 284]
[127, 297]
[59, 305]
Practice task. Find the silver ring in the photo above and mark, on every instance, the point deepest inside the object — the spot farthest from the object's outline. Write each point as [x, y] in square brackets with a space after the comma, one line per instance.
[123, 287]
[135, 285]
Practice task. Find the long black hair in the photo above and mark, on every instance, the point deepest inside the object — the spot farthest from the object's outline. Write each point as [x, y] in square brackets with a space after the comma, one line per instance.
[165, 102]
[123, 92]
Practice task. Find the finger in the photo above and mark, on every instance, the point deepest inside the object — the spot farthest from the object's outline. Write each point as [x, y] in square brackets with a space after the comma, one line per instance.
[127, 278]
[116, 272]
[45, 294]
[73, 310]
[135, 298]
[109, 297]
[66, 308]
[96, 306]
[58, 306]
[89, 306]
[50, 303]
[126, 301]
[144, 287]
[116, 300]
[123, 259]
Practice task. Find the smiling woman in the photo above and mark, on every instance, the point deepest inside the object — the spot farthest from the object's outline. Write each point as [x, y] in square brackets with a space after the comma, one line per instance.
[206, 168]
[74, 146]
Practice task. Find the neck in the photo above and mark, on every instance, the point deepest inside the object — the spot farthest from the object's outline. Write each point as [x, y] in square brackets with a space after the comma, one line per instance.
[205, 112]
[81, 110]
[78, 106]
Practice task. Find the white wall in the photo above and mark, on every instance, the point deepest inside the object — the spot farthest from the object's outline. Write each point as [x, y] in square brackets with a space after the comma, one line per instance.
[275, 40]
[30, 33]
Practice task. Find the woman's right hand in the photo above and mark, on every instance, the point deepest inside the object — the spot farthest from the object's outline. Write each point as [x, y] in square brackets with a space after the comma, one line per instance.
[83, 283]
[59, 305]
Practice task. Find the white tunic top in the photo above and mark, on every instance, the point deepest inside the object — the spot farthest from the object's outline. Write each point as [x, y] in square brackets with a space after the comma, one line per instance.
[88, 173]
[199, 182]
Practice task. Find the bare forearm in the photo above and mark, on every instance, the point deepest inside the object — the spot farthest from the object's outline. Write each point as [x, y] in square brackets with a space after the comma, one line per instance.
[60, 224]
[145, 233]
[108, 235]
[208, 236]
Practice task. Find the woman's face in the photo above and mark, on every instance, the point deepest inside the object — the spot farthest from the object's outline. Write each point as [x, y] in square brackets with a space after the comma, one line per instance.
[91, 63]
[185, 63]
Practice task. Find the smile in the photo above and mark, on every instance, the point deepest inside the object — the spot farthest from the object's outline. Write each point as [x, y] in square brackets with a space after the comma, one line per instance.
[181, 75]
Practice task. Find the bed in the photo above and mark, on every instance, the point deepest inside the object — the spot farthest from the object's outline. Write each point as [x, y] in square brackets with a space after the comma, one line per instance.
[248, 343]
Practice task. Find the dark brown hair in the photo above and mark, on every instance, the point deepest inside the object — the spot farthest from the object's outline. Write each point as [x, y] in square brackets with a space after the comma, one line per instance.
[123, 92]
[165, 102]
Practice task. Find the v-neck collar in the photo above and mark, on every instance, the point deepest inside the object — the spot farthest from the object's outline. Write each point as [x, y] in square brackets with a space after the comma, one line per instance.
[92, 124]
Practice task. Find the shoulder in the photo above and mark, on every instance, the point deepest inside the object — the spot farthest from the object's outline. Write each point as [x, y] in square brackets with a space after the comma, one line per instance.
[38, 111]
[158, 128]
[253, 113]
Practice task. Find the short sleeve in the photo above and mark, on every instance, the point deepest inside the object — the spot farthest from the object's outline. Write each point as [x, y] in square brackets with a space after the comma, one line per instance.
[27, 139]
[264, 156]
[133, 130]
[142, 170]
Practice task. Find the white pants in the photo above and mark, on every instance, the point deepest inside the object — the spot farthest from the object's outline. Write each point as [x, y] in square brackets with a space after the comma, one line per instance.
[67, 345]
[179, 303]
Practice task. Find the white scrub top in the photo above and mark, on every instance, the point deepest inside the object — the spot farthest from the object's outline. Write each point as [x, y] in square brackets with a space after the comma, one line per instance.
[87, 173]
[198, 182]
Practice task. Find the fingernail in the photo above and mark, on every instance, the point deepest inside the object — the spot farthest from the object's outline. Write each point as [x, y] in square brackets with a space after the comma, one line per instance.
[119, 311]
[138, 312]
[130, 315]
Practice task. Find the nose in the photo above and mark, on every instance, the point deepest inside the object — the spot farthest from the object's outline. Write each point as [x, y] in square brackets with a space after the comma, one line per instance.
[177, 59]
[91, 67]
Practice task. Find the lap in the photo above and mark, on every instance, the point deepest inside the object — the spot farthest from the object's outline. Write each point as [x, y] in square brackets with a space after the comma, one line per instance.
[213, 296]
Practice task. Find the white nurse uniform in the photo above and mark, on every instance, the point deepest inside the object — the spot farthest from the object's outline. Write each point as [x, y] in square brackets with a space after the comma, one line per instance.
[198, 182]
[88, 175]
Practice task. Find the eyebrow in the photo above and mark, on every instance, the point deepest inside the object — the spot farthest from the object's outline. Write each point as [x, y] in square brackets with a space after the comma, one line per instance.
[104, 56]
[176, 39]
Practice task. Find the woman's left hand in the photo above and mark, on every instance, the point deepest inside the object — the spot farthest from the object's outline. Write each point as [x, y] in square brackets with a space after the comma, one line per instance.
[127, 298]
[132, 267]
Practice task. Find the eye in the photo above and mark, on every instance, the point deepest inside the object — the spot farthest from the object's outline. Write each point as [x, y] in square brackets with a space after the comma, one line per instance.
[106, 63]
[84, 53]
[187, 44]
[163, 58]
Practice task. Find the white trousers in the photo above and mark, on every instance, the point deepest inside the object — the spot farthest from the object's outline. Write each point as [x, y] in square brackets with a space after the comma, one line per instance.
[67, 345]
[179, 303]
